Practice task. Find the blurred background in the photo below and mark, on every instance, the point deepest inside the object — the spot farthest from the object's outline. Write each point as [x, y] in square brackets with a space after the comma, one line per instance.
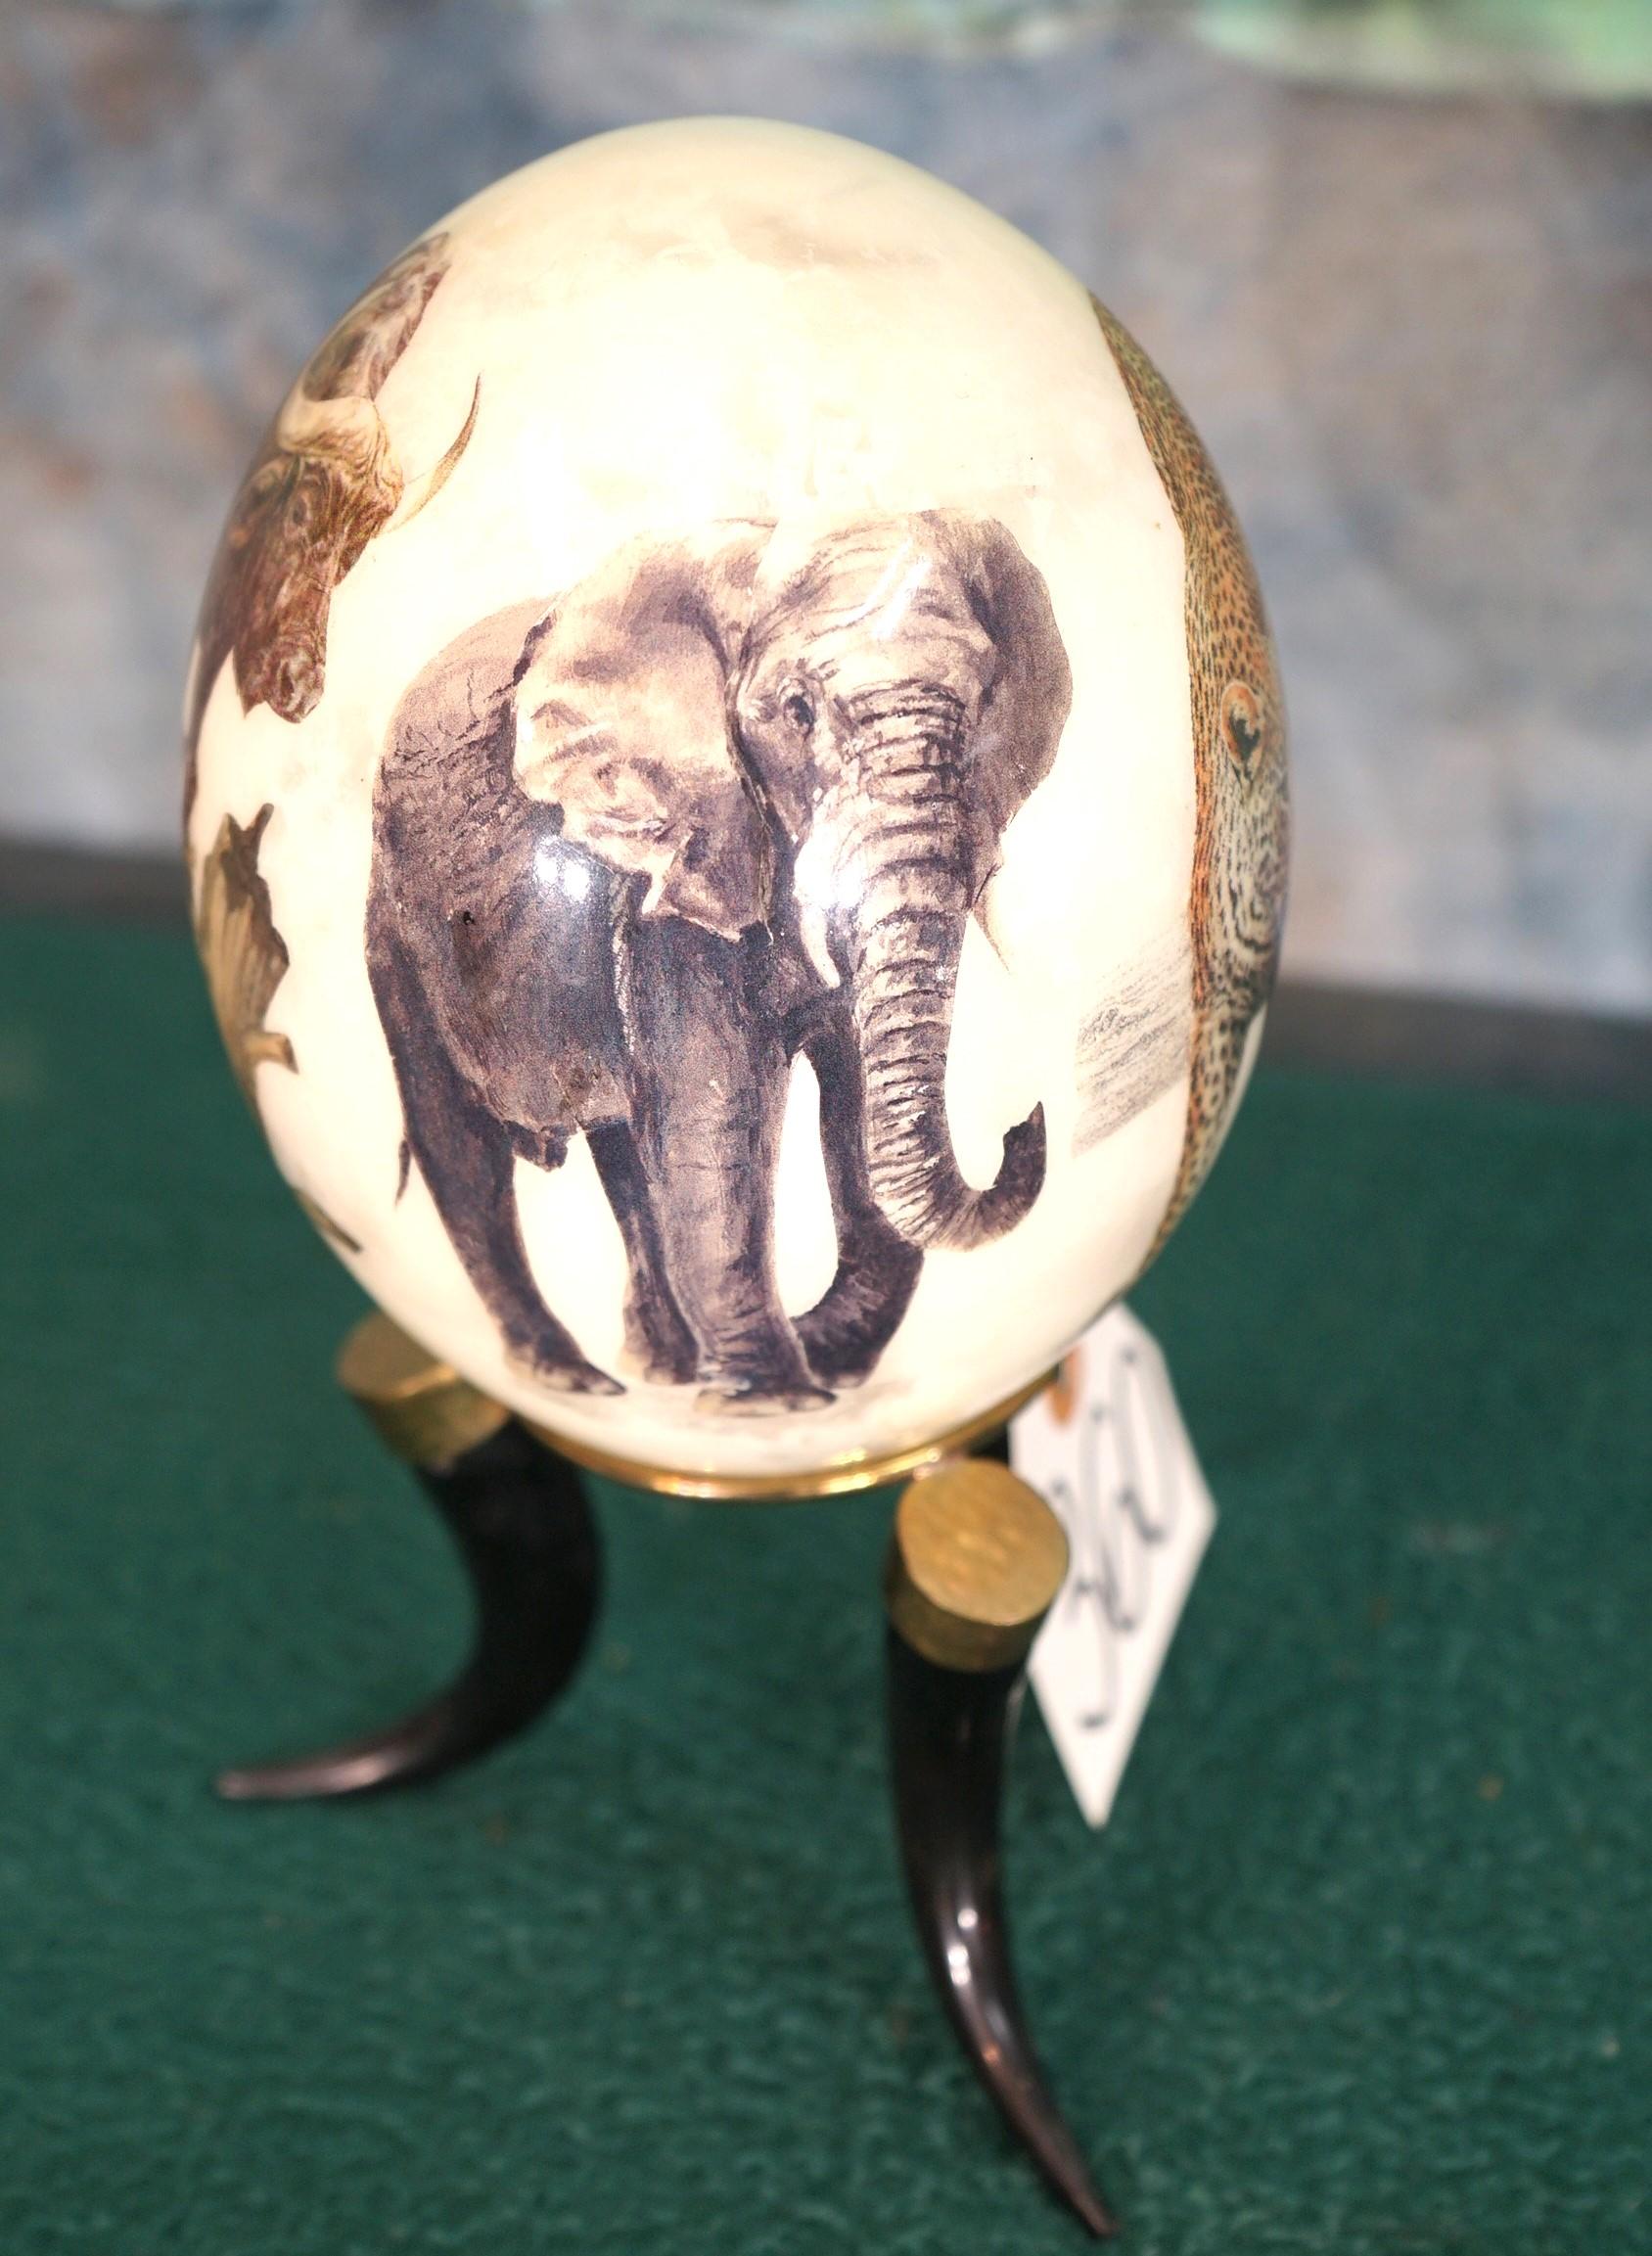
[1396, 256]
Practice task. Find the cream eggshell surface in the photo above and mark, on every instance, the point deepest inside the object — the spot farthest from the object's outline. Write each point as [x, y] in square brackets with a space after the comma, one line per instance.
[736, 801]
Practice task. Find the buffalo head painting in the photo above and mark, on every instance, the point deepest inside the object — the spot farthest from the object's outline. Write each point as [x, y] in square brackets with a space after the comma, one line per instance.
[325, 480]
[636, 847]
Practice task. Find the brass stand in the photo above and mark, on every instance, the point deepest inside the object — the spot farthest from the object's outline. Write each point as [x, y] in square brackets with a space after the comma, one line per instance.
[975, 1563]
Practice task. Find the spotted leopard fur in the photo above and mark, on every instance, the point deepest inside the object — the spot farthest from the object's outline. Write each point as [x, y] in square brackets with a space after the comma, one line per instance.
[1240, 839]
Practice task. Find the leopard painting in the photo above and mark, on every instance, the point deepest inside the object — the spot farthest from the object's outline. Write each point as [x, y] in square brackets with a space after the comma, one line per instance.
[1237, 897]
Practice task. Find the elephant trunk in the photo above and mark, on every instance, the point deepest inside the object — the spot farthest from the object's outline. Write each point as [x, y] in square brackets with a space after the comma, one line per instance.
[910, 863]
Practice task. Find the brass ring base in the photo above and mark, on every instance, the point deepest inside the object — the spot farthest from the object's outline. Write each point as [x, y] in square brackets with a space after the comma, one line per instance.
[840, 1477]
[427, 1414]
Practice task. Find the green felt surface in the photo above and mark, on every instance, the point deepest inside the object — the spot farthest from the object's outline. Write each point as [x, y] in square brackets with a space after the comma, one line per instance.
[1360, 1966]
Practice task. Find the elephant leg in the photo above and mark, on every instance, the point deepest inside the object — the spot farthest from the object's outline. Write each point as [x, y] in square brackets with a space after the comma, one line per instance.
[467, 1159]
[708, 1089]
[852, 1322]
[655, 1330]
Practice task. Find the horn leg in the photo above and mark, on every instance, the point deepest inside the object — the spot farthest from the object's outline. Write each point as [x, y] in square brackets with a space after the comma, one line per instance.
[976, 1562]
[522, 1526]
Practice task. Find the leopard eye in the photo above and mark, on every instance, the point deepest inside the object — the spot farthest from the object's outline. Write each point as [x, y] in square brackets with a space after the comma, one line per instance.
[1241, 723]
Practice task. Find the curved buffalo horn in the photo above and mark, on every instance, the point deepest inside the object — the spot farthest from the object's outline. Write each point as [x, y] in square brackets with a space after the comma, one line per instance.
[348, 429]
[525, 1532]
[419, 490]
[976, 1562]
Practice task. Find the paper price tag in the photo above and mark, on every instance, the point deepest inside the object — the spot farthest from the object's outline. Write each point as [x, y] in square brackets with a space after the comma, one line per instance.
[1107, 1448]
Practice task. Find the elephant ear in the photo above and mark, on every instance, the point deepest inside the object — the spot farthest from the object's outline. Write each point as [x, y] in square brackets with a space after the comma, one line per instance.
[1030, 693]
[622, 726]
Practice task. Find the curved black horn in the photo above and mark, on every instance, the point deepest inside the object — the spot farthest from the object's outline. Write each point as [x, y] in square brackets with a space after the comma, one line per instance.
[519, 1517]
[977, 1560]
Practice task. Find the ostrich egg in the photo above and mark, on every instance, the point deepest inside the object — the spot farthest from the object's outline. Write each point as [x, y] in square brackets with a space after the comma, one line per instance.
[736, 802]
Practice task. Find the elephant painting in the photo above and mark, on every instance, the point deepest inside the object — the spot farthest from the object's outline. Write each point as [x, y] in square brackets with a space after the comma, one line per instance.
[1240, 842]
[636, 847]
[325, 480]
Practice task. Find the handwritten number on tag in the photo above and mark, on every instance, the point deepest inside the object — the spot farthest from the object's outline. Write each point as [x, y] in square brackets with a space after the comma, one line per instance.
[1115, 1520]
[1107, 1449]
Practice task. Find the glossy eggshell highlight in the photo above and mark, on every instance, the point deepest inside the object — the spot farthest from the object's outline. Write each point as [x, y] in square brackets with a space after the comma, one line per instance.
[736, 800]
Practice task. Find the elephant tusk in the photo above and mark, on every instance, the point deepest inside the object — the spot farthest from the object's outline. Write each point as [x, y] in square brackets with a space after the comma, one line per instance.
[986, 915]
[425, 489]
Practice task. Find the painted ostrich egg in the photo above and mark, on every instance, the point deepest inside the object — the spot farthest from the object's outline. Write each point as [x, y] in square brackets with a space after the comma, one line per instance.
[736, 801]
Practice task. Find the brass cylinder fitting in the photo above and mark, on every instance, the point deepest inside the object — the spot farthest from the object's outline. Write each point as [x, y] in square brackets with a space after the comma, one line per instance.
[975, 1561]
[422, 1409]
